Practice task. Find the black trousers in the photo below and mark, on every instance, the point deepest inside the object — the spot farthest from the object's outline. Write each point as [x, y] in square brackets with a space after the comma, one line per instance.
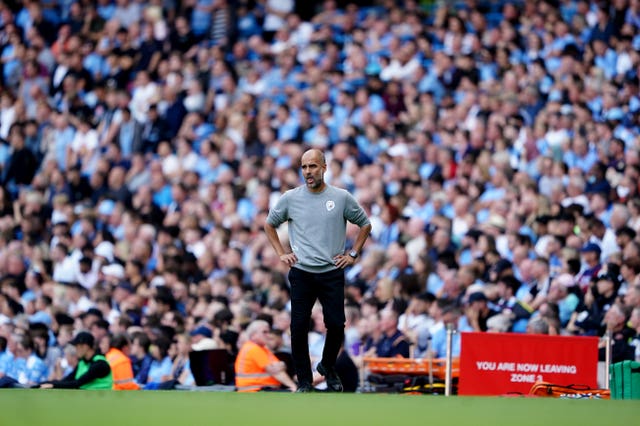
[306, 288]
[11, 383]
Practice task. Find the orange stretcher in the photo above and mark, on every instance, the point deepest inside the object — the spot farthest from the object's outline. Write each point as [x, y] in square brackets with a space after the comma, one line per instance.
[550, 390]
[412, 366]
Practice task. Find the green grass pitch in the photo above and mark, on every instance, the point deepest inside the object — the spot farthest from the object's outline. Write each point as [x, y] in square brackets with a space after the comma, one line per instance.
[183, 408]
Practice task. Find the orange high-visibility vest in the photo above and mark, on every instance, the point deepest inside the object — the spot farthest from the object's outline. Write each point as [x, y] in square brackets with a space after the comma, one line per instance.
[250, 366]
[121, 370]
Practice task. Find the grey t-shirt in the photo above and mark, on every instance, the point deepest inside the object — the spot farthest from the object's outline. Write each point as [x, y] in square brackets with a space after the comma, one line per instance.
[317, 224]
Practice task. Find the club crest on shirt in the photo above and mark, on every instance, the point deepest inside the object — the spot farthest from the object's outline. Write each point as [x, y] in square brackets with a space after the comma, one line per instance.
[330, 205]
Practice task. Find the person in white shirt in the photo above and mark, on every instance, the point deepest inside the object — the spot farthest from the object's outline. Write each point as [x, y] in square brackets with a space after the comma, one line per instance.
[276, 11]
[415, 319]
[78, 300]
[84, 143]
[145, 93]
[64, 269]
[85, 139]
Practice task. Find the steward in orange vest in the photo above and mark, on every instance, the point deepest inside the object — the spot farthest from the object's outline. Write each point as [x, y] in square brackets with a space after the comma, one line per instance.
[121, 364]
[256, 366]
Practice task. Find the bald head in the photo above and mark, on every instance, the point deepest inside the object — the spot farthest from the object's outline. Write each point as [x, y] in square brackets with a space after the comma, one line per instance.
[257, 331]
[314, 155]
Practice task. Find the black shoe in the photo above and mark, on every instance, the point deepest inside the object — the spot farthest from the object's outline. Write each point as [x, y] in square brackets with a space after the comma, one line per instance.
[304, 388]
[334, 383]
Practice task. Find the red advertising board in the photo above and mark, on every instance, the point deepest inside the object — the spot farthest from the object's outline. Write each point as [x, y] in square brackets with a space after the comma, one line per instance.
[501, 363]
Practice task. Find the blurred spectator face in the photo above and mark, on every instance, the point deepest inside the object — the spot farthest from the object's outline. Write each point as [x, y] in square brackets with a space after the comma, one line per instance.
[116, 177]
[282, 320]
[614, 318]
[635, 319]
[591, 257]
[103, 344]
[82, 350]
[65, 334]
[58, 254]
[632, 298]
[465, 276]
[261, 335]
[441, 239]
[32, 280]
[168, 319]
[29, 307]
[363, 327]
[369, 310]
[605, 287]
[631, 250]
[21, 351]
[451, 317]
[97, 180]
[136, 349]
[180, 291]
[71, 356]
[388, 321]
[557, 292]
[15, 265]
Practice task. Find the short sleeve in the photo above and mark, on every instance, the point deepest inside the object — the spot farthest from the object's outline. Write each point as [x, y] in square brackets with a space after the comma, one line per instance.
[354, 212]
[280, 212]
[262, 357]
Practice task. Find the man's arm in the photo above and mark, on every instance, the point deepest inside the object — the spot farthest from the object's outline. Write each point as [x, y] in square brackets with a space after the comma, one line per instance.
[49, 384]
[344, 260]
[97, 369]
[400, 347]
[363, 234]
[289, 258]
[278, 371]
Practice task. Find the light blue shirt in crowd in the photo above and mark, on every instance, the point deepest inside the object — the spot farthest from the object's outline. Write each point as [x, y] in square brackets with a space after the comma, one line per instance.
[288, 130]
[6, 359]
[439, 343]
[28, 371]
[163, 197]
[583, 163]
[201, 19]
[159, 369]
[62, 140]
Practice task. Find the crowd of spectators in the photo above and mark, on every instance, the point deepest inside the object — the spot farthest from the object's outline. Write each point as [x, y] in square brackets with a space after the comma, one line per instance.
[494, 144]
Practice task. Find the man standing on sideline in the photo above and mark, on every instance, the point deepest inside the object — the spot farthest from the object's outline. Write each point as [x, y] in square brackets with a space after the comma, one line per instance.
[317, 215]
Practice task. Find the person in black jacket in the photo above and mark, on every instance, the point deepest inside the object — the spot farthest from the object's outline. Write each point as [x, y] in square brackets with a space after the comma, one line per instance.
[79, 188]
[22, 164]
[615, 321]
[92, 372]
[392, 342]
